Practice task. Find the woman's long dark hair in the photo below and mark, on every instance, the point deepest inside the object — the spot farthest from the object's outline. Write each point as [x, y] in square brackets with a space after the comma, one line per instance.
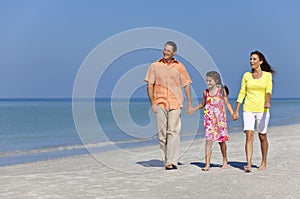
[265, 66]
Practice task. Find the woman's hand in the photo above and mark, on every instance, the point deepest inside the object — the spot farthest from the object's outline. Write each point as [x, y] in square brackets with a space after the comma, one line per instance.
[267, 105]
[235, 116]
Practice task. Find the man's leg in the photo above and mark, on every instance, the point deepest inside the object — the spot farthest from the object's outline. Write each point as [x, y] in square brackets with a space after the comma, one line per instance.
[173, 137]
[161, 119]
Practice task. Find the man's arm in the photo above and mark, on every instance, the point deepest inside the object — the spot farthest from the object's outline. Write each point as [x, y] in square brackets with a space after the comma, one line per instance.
[187, 90]
[150, 91]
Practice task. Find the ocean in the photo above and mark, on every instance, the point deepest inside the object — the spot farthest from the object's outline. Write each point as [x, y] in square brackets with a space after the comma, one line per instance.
[43, 129]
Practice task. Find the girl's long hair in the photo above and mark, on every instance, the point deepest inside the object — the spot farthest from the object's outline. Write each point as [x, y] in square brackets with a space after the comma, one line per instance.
[217, 77]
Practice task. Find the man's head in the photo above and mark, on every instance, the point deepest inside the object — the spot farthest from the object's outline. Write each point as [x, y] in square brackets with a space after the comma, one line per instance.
[169, 50]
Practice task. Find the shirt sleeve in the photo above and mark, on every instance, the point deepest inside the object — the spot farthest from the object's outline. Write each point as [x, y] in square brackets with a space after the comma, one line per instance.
[269, 86]
[184, 76]
[242, 92]
[150, 75]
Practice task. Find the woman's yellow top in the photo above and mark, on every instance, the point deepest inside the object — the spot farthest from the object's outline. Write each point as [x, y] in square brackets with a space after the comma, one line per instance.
[255, 91]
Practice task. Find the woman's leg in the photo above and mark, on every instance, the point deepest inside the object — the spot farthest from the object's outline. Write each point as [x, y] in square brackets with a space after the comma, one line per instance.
[249, 149]
[223, 148]
[264, 150]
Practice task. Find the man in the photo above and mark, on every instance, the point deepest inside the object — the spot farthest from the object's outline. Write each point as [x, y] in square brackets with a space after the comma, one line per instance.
[165, 79]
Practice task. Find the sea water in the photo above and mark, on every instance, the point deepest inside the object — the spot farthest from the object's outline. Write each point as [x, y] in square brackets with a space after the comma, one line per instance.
[42, 129]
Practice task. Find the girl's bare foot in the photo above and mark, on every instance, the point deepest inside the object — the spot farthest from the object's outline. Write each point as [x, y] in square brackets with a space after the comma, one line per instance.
[247, 168]
[206, 168]
[225, 165]
[262, 167]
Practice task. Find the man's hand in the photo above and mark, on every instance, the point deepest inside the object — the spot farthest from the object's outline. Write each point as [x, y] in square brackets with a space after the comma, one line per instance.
[190, 109]
[154, 108]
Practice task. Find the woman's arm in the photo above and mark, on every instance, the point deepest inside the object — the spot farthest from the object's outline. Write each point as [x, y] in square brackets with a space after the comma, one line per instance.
[269, 91]
[268, 100]
[236, 112]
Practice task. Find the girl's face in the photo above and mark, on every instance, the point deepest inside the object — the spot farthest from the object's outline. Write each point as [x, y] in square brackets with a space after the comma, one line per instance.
[255, 61]
[211, 82]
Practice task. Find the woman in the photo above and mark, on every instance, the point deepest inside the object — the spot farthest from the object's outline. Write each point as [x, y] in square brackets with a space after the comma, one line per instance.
[256, 88]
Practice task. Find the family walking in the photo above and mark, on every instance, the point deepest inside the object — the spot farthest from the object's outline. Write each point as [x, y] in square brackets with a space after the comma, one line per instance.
[165, 79]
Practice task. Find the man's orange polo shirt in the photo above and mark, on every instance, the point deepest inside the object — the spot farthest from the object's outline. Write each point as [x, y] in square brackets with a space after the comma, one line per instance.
[168, 80]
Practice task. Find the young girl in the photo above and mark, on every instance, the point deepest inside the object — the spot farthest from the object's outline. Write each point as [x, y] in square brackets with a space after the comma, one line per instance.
[215, 122]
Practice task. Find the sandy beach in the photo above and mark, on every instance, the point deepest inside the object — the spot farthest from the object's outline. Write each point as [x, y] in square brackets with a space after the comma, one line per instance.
[139, 173]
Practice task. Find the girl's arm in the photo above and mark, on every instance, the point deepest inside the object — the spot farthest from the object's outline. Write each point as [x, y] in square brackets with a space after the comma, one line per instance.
[228, 106]
[202, 104]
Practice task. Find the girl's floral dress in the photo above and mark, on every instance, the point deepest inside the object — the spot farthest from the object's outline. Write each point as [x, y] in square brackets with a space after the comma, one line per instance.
[215, 122]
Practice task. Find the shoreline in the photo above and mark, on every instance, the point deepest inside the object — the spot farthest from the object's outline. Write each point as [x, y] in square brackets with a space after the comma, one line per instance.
[138, 172]
[68, 151]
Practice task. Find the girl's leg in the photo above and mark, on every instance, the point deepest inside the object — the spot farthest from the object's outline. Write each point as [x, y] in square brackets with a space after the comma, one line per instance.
[264, 150]
[208, 152]
[249, 149]
[223, 148]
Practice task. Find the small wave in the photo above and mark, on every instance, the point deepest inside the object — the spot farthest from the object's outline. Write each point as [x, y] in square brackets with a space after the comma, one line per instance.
[55, 149]
[70, 147]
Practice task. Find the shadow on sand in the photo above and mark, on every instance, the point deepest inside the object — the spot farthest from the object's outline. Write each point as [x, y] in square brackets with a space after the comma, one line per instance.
[240, 165]
[153, 163]
[235, 164]
[201, 164]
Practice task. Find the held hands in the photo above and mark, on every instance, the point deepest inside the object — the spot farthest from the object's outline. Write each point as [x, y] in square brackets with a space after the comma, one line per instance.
[235, 116]
[190, 109]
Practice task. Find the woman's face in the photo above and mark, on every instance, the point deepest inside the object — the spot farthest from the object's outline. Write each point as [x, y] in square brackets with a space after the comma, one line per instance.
[255, 62]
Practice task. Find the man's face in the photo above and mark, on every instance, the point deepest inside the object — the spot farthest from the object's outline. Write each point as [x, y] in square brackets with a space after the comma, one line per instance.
[168, 52]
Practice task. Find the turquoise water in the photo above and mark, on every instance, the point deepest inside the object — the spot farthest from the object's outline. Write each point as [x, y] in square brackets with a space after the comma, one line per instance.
[41, 129]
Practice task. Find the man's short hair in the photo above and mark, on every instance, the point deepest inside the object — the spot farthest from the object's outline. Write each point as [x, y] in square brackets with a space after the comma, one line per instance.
[171, 43]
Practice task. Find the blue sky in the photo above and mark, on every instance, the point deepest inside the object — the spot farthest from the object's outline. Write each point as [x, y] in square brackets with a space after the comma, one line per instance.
[44, 42]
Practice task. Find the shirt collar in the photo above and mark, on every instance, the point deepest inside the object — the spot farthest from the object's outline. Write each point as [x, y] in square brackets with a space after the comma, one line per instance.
[172, 61]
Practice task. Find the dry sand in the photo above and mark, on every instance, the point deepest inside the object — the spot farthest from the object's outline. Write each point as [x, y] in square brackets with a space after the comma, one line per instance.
[138, 173]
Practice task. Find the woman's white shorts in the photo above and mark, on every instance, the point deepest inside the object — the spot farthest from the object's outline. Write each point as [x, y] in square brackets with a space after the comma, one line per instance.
[260, 119]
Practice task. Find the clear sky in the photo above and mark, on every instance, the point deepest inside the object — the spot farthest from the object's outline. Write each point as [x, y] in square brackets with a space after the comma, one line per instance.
[44, 42]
